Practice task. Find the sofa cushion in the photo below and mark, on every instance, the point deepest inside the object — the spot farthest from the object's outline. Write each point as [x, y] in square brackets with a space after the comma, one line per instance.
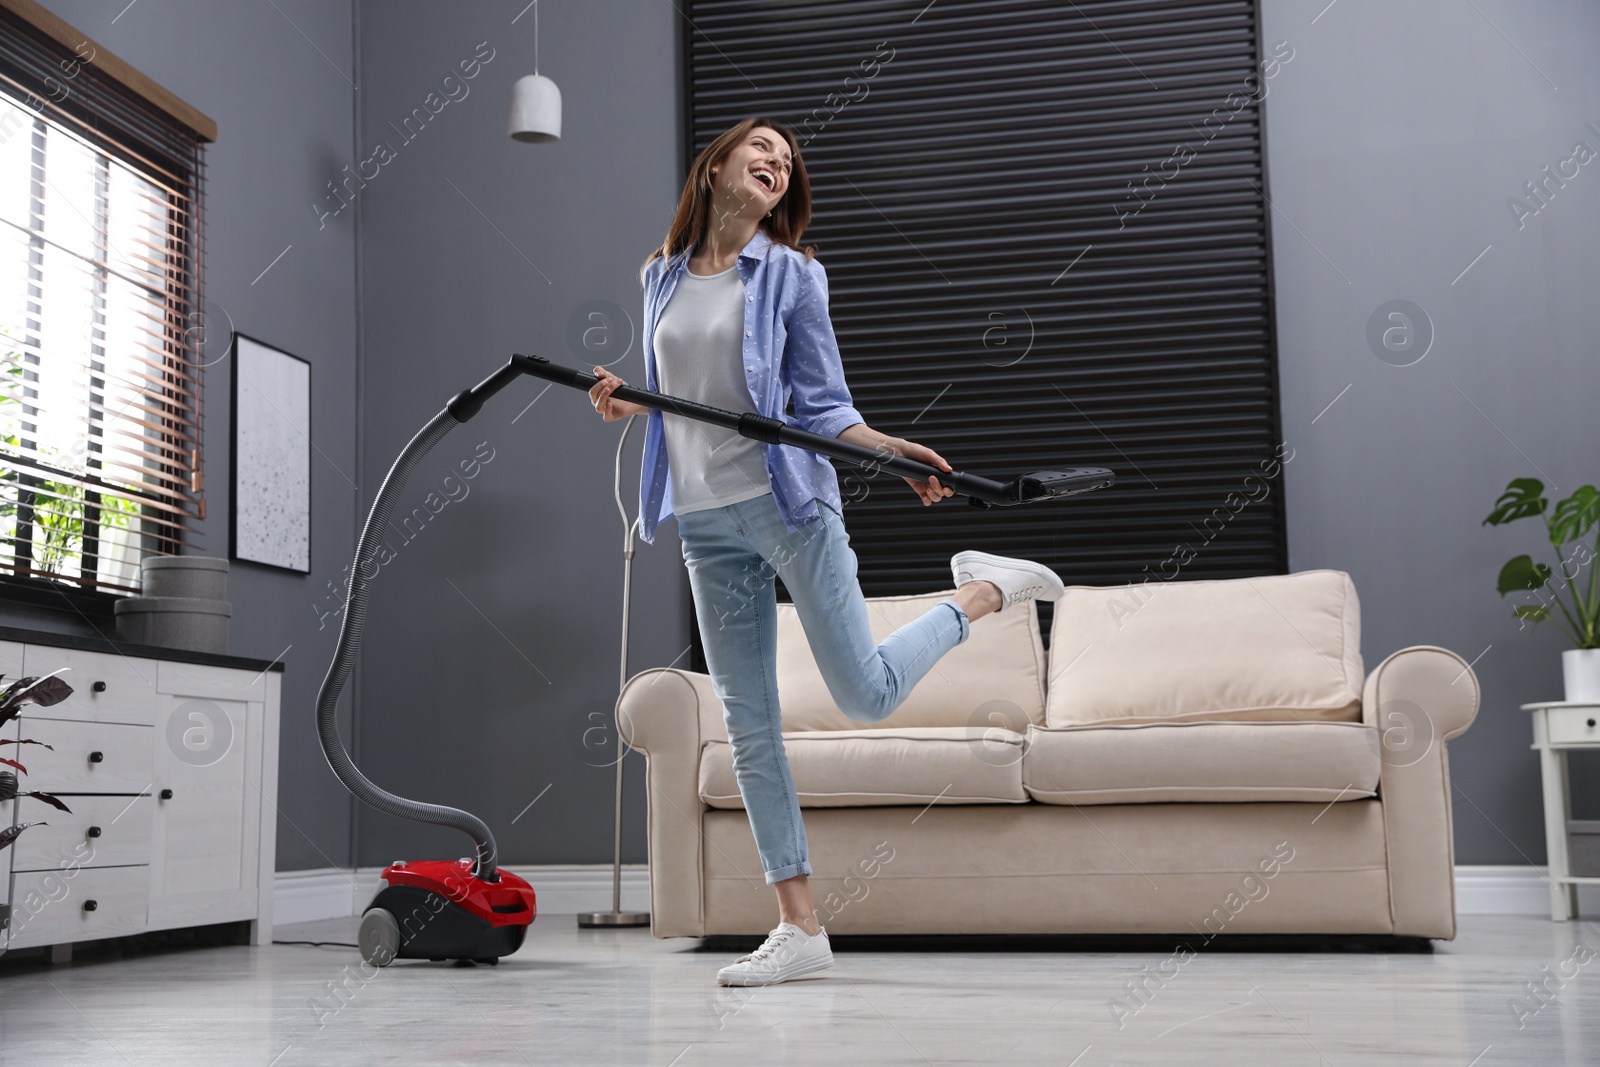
[880, 767]
[1275, 647]
[994, 677]
[1150, 763]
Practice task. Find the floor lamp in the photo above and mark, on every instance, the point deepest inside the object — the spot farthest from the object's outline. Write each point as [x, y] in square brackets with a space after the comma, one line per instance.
[616, 916]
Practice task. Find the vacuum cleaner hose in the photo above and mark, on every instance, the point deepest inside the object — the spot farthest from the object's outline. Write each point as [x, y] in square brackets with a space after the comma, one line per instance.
[362, 571]
[1040, 485]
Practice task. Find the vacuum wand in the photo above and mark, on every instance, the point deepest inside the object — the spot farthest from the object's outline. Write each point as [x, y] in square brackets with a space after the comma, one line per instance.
[981, 492]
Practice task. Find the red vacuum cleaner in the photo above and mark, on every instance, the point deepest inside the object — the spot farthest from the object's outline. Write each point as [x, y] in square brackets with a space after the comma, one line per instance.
[469, 909]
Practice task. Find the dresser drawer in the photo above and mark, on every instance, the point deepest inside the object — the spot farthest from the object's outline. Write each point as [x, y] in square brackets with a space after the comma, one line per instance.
[1570, 725]
[207, 682]
[59, 907]
[127, 685]
[108, 831]
[89, 757]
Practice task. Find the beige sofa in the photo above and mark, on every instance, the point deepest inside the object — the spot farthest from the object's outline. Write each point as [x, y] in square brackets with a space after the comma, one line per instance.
[1199, 757]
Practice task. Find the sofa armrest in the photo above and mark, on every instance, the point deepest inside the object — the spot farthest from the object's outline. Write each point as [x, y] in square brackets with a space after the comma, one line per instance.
[660, 712]
[1419, 698]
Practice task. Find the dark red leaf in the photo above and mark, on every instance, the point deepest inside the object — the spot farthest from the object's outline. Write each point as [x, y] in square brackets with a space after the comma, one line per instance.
[13, 763]
[25, 741]
[49, 690]
[50, 800]
[43, 691]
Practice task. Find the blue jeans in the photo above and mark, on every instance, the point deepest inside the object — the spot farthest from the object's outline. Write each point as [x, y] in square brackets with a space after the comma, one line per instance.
[732, 553]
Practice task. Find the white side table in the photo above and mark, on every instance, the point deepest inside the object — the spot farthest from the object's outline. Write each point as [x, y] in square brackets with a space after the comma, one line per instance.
[1559, 726]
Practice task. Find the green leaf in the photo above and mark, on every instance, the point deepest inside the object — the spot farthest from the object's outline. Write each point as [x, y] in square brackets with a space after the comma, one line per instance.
[1531, 612]
[1575, 515]
[1522, 573]
[1523, 497]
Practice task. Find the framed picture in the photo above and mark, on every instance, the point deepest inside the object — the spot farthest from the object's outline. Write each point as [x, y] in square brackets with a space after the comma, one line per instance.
[271, 461]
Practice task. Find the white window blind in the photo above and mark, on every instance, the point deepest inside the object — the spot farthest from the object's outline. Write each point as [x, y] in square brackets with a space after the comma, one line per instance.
[100, 415]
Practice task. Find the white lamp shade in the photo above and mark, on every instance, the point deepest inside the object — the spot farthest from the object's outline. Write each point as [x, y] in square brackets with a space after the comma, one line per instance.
[535, 110]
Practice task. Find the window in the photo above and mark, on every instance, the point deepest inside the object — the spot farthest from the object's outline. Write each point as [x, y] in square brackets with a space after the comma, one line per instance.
[101, 325]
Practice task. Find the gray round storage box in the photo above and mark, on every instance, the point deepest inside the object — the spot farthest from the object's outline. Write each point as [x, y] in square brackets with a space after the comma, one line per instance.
[198, 624]
[202, 577]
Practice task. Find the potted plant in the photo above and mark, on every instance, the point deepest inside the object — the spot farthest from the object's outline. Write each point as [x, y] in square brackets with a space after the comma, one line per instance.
[1571, 519]
[44, 692]
[55, 510]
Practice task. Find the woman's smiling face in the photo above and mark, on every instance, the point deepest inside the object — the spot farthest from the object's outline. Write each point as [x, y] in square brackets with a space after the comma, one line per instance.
[755, 174]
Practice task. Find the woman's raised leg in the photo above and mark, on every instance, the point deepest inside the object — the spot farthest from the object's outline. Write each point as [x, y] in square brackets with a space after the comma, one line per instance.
[867, 679]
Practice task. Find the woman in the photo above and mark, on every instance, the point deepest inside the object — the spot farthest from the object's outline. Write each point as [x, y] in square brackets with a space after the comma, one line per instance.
[736, 317]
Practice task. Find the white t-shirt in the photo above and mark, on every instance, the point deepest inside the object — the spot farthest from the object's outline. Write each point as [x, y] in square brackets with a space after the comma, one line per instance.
[699, 342]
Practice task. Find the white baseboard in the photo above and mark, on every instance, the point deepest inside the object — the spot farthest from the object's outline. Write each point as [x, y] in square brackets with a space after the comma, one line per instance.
[564, 889]
[1515, 889]
[307, 896]
[561, 889]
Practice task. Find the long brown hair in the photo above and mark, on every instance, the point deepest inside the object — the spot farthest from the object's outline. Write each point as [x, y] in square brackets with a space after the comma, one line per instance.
[790, 216]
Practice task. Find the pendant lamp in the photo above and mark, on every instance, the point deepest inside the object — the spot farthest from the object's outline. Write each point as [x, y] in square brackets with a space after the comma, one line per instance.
[535, 101]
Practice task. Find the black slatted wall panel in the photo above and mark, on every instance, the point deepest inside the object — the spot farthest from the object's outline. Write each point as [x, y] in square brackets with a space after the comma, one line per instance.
[1046, 236]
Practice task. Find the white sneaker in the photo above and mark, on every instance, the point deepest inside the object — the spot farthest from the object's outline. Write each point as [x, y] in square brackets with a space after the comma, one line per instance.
[1017, 579]
[788, 952]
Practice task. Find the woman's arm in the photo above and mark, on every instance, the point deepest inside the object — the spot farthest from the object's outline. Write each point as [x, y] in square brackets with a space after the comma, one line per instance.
[811, 367]
[929, 491]
[609, 408]
[822, 400]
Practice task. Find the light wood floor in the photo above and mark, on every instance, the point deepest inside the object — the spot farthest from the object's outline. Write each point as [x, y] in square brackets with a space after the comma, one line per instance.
[576, 996]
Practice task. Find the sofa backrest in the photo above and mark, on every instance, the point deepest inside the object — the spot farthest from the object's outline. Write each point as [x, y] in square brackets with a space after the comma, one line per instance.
[1275, 647]
[993, 678]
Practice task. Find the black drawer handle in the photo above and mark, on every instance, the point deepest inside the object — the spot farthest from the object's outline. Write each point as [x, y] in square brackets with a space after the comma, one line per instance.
[97, 757]
[1591, 722]
[98, 687]
[166, 794]
[90, 905]
[93, 831]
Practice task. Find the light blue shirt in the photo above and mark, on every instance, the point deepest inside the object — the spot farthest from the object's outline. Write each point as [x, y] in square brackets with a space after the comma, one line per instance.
[789, 353]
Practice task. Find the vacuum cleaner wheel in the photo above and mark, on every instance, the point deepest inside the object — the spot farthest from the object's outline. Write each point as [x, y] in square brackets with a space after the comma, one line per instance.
[379, 937]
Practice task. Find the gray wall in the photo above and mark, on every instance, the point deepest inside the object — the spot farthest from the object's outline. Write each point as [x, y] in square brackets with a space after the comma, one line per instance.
[496, 628]
[285, 125]
[1395, 138]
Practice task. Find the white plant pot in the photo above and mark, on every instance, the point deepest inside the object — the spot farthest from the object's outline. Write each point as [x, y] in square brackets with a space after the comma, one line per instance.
[1580, 672]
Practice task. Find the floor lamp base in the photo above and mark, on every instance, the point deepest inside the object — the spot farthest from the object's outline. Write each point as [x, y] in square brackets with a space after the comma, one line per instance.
[614, 918]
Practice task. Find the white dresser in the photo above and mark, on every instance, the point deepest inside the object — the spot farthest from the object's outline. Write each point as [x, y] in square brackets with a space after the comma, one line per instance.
[169, 762]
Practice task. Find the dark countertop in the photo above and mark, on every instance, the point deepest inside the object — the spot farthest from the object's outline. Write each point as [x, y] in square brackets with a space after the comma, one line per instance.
[101, 644]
